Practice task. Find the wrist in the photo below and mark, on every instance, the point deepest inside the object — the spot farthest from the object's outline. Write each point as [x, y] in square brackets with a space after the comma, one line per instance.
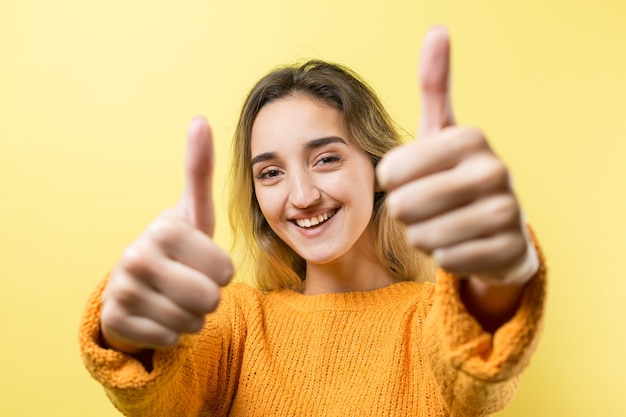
[491, 305]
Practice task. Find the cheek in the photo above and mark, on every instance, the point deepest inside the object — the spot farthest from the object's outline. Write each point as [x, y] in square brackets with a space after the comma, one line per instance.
[359, 185]
[269, 204]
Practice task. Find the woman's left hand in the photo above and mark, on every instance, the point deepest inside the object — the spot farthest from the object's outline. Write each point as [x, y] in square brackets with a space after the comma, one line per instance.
[452, 191]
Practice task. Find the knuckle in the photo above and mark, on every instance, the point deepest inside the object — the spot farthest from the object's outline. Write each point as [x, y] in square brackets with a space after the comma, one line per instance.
[499, 173]
[165, 230]
[203, 299]
[504, 210]
[489, 173]
[476, 137]
[136, 258]
[113, 318]
[124, 293]
[468, 140]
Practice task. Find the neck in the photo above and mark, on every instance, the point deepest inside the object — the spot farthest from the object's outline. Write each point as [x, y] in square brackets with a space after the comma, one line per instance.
[359, 272]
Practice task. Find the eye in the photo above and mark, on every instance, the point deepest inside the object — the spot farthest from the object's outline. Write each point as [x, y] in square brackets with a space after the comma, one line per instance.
[268, 174]
[328, 160]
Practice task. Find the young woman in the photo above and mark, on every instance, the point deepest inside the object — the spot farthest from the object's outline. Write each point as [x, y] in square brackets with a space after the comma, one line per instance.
[332, 213]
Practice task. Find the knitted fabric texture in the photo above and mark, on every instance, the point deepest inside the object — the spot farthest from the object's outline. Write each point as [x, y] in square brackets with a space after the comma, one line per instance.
[409, 349]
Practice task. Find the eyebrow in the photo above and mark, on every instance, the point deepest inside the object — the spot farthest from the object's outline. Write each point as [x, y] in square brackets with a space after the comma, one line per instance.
[315, 143]
[262, 157]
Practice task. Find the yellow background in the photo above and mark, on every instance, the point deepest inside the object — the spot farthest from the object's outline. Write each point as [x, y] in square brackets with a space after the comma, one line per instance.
[95, 97]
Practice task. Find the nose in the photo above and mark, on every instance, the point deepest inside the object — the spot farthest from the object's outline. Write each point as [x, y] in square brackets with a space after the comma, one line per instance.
[303, 192]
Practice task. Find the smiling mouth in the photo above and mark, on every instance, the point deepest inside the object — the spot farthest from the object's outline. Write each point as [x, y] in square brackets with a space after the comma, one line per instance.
[315, 220]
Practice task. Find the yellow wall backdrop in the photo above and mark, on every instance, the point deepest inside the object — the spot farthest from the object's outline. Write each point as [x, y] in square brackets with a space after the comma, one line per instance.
[95, 97]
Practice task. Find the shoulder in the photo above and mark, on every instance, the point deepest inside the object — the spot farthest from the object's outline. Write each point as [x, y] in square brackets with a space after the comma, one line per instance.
[241, 293]
[242, 289]
[420, 294]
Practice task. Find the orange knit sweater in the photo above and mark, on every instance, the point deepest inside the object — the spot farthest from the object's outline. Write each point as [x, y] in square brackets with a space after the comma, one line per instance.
[409, 349]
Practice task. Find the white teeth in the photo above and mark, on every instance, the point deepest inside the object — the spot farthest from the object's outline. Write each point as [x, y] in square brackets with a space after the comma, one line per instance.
[315, 220]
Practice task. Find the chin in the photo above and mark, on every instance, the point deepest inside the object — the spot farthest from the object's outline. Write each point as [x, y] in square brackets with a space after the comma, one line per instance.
[319, 258]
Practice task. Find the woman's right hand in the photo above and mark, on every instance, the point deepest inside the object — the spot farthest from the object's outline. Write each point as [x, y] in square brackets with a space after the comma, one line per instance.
[169, 279]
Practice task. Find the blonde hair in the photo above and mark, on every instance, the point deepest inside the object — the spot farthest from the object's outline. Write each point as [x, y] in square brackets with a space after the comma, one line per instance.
[260, 252]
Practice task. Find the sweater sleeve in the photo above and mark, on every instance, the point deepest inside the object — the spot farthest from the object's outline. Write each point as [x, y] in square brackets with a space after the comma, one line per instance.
[477, 371]
[194, 378]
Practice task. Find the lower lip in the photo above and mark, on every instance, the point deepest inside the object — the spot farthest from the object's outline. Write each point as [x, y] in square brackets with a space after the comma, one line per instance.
[317, 229]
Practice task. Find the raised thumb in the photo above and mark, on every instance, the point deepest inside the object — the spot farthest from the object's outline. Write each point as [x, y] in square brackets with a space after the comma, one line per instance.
[197, 199]
[434, 79]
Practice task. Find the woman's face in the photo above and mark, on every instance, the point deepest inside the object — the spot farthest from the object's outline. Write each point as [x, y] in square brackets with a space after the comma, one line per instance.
[314, 187]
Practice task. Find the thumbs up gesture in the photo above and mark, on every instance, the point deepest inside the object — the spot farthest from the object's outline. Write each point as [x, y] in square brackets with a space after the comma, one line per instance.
[170, 277]
[451, 190]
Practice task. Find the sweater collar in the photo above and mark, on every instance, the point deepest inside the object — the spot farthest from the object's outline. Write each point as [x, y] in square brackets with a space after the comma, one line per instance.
[357, 300]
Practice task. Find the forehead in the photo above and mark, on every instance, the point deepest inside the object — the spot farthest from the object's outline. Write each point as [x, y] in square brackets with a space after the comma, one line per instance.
[294, 120]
